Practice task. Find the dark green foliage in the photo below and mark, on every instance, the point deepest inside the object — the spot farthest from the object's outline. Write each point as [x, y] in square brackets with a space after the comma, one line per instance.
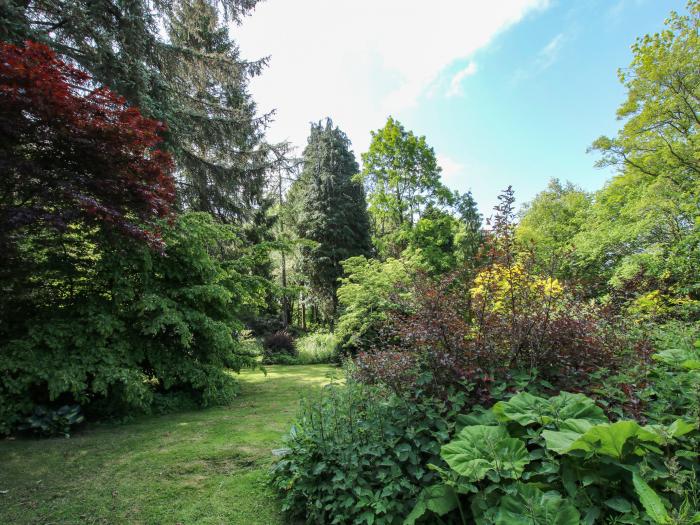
[332, 211]
[358, 455]
[48, 422]
[129, 322]
[222, 162]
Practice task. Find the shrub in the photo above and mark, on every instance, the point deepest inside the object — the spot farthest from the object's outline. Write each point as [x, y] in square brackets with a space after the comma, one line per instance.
[144, 324]
[317, 348]
[279, 348]
[664, 386]
[480, 325]
[357, 455]
[559, 461]
[48, 422]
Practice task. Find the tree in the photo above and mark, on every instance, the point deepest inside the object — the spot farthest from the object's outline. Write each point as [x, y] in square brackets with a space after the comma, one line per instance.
[71, 153]
[431, 243]
[470, 235]
[640, 230]
[140, 324]
[402, 178]
[370, 290]
[551, 221]
[194, 80]
[333, 210]
[662, 110]
[223, 163]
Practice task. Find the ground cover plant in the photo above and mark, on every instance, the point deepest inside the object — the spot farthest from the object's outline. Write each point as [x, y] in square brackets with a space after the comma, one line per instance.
[359, 454]
[560, 461]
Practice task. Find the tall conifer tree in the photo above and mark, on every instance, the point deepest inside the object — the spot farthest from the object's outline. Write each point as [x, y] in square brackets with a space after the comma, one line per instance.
[332, 210]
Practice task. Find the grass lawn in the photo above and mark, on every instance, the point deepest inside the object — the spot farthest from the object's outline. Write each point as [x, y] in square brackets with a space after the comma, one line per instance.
[201, 467]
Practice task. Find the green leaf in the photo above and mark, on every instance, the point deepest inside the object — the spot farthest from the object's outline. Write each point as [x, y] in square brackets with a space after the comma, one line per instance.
[438, 499]
[523, 408]
[608, 439]
[526, 409]
[680, 428]
[650, 500]
[477, 417]
[560, 441]
[580, 426]
[662, 435]
[480, 449]
[691, 364]
[619, 504]
[530, 506]
[576, 406]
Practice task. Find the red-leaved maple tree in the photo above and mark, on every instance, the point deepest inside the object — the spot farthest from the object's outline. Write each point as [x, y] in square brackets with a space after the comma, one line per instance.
[71, 151]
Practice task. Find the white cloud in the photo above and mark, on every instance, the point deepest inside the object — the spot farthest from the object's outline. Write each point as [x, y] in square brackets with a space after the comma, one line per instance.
[549, 53]
[363, 60]
[546, 57]
[456, 82]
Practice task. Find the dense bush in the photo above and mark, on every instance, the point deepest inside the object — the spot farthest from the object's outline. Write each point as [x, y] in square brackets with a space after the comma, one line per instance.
[358, 455]
[560, 461]
[662, 387]
[483, 324]
[49, 422]
[279, 348]
[146, 323]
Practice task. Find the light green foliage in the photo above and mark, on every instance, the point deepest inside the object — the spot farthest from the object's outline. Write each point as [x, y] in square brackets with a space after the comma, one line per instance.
[401, 178]
[317, 348]
[369, 290]
[644, 223]
[198, 466]
[332, 211]
[432, 243]
[552, 219]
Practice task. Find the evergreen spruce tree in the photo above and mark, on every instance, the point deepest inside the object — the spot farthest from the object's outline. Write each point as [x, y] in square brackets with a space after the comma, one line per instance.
[221, 159]
[194, 80]
[332, 211]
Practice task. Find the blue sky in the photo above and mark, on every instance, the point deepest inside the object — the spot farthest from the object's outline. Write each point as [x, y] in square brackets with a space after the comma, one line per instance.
[507, 91]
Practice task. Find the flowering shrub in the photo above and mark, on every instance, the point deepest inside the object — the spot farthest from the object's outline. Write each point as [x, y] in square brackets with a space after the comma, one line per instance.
[476, 327]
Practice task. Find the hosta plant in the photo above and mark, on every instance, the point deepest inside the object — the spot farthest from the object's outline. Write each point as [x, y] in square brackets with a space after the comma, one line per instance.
[560, 461]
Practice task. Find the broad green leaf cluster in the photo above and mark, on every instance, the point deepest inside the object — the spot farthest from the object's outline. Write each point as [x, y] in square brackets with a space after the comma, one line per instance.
[559, 460]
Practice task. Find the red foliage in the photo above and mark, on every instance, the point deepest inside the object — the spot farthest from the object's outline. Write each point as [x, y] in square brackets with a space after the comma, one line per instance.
[71, 151]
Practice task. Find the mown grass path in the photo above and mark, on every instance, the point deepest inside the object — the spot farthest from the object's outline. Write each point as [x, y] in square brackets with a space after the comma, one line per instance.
[200, 467]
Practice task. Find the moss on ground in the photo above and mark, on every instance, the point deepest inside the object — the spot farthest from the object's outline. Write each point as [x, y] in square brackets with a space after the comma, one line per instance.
[196, 467]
